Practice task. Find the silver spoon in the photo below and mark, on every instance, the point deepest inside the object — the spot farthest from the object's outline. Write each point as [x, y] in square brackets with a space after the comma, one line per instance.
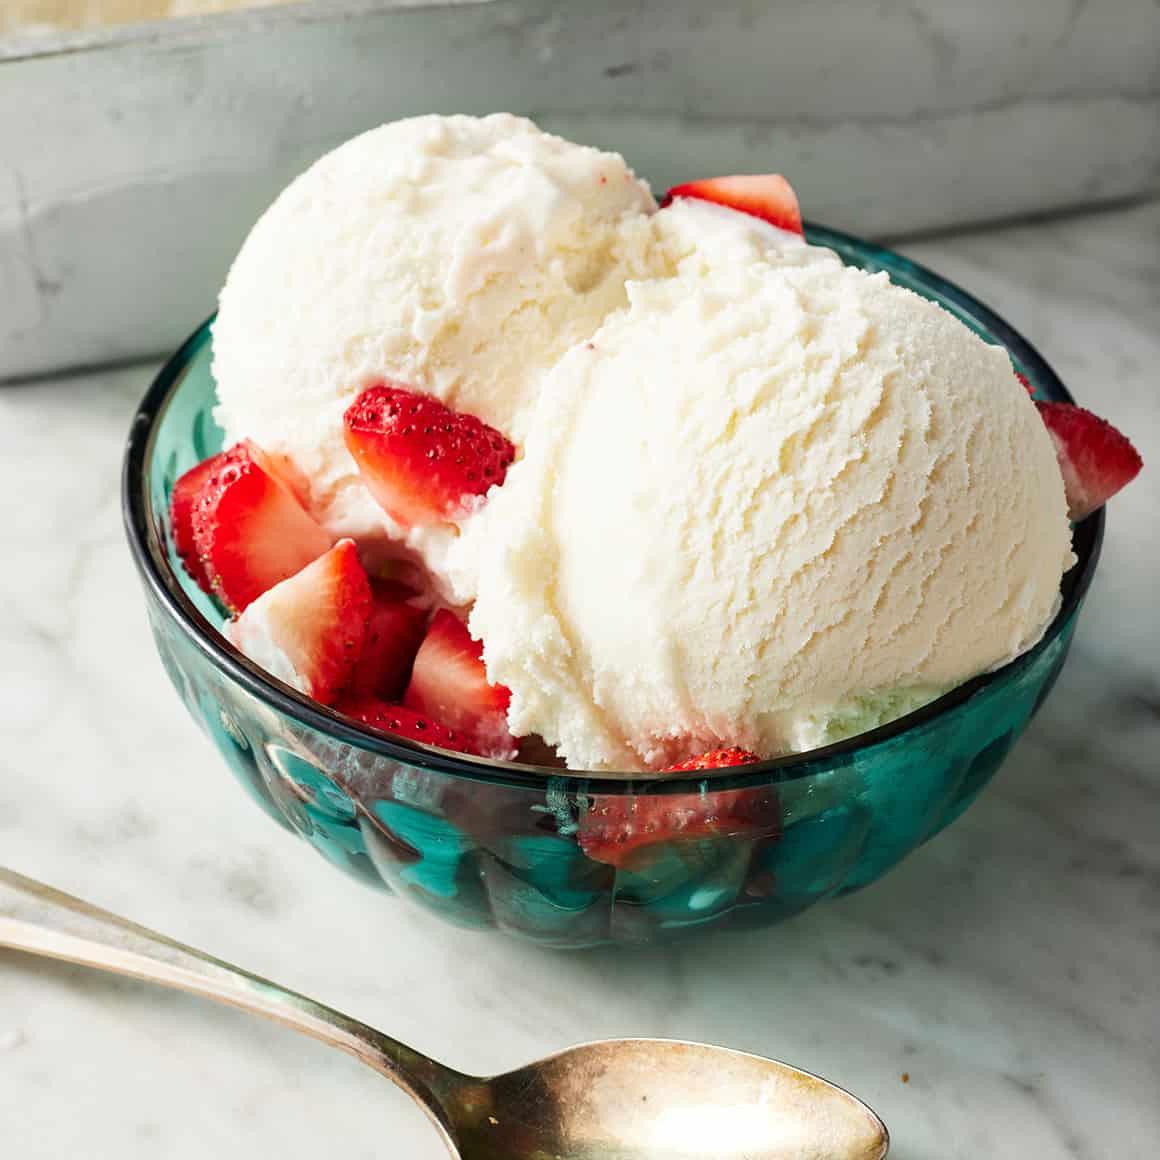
[626, 1099]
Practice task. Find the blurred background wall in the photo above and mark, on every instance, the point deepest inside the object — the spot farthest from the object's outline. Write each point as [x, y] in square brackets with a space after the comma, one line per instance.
[134, 156]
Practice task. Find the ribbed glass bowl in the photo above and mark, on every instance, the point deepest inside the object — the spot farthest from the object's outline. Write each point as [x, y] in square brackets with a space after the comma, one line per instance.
[488, 844]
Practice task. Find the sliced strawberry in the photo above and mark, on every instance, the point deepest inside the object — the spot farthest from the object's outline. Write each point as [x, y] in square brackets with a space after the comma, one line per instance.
[423, 462]
[186, 492]
[394, 632]
[401, 721]
[1096, 459]
[309, 630]
[250, 531]
[714, 759]
[449, 682]
[618, 830]
[764, 195]
[1026, 383]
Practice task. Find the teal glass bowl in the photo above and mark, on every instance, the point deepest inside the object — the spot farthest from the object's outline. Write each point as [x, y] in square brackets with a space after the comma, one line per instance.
[487, 844]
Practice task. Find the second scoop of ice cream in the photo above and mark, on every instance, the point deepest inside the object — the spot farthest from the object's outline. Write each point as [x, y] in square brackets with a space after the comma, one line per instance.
[774, 501]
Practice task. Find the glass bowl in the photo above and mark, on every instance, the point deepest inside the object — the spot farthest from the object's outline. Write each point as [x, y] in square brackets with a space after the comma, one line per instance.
[488, 844]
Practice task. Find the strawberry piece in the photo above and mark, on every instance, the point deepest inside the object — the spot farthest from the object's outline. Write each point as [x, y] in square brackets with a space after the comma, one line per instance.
[309, 630]
[186, 492]
[714, 759]
[449, 682]
[1095, 458]
[1026, 382]
[394, 632]
[619, 830]
[423, 462]
[401, 721]
[763, 195]
[250, 531]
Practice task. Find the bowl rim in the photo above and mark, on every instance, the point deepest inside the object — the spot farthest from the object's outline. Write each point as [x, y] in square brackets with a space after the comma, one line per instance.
[160, 579]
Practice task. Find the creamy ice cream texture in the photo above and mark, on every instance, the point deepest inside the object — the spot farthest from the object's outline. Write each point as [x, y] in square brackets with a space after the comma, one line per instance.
[763, 499]
[459, 255]
[767, 504]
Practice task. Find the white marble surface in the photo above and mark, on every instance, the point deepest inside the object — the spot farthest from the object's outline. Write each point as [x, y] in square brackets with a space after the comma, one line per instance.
[1009, 967]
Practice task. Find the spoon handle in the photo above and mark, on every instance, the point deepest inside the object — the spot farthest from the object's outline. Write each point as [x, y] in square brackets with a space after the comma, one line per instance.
[43, 921]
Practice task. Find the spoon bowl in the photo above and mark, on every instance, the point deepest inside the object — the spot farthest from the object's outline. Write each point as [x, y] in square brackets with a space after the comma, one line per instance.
[644, 1099]
[619, 1099]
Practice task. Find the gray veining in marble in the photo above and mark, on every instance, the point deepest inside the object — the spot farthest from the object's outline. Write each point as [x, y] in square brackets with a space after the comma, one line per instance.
[1009, 968]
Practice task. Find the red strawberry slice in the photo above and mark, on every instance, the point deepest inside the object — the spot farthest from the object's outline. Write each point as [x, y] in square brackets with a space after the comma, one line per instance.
[250, 531]
[309, 630]
[400, 721]
[1026, 382]
[714, 759]
[1096, 459]
[423, 462]
[449, 683]
[394, 632]
[618, 830]
[186, 492]
[764, 195]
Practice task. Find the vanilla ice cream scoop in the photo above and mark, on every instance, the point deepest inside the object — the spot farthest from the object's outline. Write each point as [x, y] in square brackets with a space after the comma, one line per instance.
[773, 500]
[458, 255]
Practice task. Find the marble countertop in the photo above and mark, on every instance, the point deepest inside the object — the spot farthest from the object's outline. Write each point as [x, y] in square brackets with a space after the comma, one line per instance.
[997, 995]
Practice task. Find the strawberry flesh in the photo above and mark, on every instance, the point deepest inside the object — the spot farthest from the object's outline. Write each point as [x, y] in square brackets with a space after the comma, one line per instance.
[763, 195]
[394, 632]
[309, 630]
[714, 759]
[423, 462]
[400, 721]
[249, 529]
[186, 492]
[1096, 460]
[449, 683]
[619, 830]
